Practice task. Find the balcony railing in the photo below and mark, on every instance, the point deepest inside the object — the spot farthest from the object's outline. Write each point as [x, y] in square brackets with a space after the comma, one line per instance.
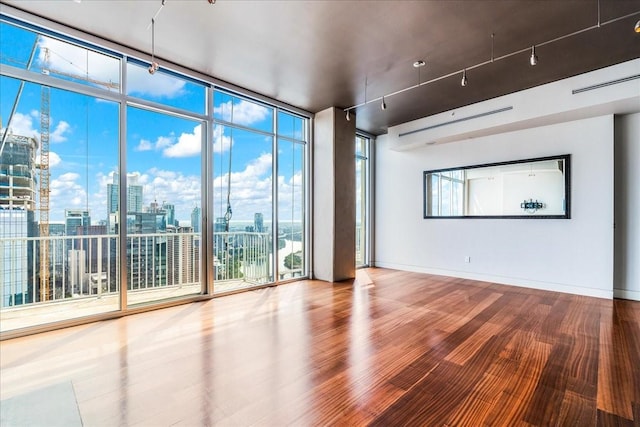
[88, 266]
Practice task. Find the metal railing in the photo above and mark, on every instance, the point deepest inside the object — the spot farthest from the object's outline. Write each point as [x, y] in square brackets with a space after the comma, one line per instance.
[88, 265]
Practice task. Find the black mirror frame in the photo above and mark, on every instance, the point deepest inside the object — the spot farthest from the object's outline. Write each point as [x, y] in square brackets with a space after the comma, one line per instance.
[567, 189]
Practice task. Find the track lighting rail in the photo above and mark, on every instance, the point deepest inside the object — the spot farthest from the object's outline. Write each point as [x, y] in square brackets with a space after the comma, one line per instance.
[464, 71]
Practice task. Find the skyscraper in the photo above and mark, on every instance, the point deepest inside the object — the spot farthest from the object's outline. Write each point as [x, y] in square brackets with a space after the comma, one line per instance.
[134, 194]
[196, 218]
[17, 206]
[74, 219]
[258, 223]
[170, 209]
[112, 194]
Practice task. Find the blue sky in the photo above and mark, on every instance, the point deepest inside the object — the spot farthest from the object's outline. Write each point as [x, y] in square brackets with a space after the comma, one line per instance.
[163, 152]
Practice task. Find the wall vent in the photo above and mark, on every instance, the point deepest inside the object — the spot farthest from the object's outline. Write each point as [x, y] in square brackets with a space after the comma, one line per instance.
[462, 119]
[605, 84]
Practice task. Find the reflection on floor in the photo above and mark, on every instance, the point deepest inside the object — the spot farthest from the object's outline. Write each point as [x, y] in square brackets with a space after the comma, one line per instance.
[49, 406]
[18, 317]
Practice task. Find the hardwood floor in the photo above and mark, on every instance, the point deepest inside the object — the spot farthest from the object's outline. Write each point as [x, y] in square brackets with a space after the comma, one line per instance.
[392, 348]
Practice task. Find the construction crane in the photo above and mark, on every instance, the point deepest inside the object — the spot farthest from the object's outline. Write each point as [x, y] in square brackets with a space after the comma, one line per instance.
[45, 174]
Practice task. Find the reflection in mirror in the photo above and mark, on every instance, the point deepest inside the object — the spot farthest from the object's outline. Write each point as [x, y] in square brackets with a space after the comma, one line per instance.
[533, 188]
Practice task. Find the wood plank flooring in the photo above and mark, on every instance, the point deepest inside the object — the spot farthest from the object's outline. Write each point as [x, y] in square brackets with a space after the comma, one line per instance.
[391, 348]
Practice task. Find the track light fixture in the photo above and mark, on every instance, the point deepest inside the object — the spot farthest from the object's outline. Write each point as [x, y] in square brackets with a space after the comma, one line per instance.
[154, 65]
[533, 59]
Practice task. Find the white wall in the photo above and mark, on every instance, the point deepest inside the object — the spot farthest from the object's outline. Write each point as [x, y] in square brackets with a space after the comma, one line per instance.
[627, 207]
[568, 255]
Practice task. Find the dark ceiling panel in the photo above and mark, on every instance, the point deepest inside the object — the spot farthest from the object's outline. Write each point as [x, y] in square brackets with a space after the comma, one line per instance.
[318, 54]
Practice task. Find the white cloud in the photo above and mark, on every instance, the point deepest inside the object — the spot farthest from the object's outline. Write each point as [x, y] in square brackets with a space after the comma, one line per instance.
[58, 135]
[22, 124]
[250, 190]
[221, 142]
[188, 144]
[66, 192]
[159, 85]
[54, 159]
[144, 145]
[290, 194]
[68, 177]
[164, 142]
[243, 113]
[172, 187]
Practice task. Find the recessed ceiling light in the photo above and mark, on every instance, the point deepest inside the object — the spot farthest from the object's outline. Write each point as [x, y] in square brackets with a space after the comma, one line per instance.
[419, 63]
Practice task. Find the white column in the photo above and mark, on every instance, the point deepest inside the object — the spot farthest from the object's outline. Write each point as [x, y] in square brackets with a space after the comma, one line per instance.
[334, 205]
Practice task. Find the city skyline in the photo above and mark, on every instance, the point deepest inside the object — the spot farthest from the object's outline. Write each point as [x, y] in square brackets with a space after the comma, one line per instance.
[164, 158]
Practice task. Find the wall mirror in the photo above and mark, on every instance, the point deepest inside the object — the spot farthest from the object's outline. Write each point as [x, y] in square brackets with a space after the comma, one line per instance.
[531, 188]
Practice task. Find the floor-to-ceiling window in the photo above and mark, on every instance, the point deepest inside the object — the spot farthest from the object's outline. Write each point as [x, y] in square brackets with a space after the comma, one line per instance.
[243, 192]
[60, 136]
[111, 176]
[363, 219]
[257, 241]
[292, 137]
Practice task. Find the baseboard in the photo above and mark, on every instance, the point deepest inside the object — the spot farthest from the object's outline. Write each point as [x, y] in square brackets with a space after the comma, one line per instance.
[512, 281]
[626, 294]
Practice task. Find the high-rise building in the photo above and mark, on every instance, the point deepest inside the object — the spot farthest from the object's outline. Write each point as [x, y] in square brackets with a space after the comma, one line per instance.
[76, 222]
[57, 248]
[258, 223]
[183, 256]
[17, 206]
[112, 194]
[75, 219]
[196, 219]
[170, 209]
[134, 194]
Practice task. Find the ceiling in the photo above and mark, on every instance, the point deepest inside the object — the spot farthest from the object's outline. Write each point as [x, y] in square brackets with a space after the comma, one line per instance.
[318, 54]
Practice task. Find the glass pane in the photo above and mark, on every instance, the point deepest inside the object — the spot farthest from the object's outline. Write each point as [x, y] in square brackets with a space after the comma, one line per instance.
[239, 111]
[242, 166]
[361, 146]
[291, 202]
[163, 189]
[58, 58]
[457, 198]
[16, 45]
[291, 126]
[445, 200]
[165, 88]
[58, 257]
[361, 212]
[435, 194]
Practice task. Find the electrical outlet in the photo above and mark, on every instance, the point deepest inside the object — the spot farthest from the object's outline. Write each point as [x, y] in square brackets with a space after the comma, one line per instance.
[467, 259]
